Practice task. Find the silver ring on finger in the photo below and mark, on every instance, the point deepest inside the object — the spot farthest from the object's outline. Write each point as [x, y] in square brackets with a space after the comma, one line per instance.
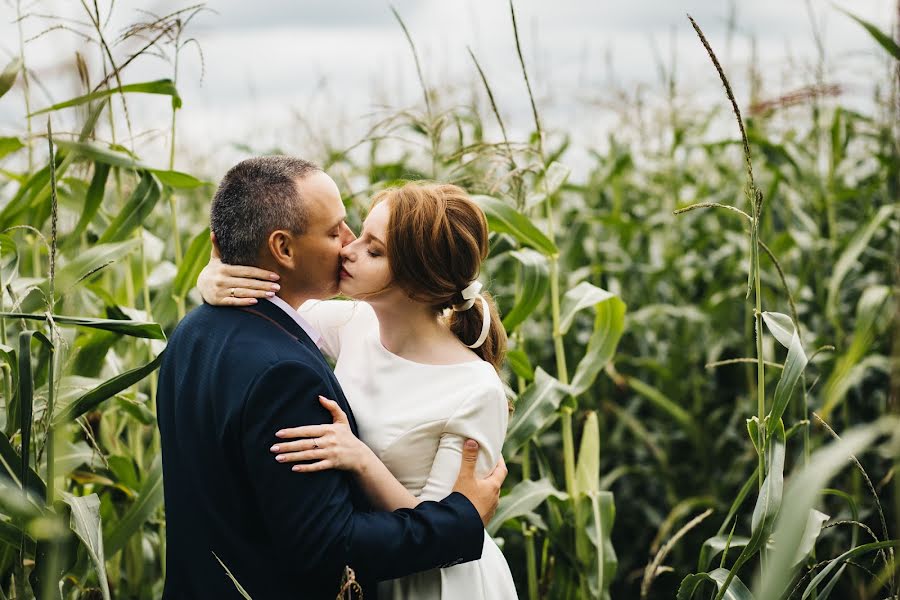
[316, 444]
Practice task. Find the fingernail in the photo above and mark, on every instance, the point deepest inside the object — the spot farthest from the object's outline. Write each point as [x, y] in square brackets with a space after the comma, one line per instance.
[471, 444]
[276, 287]
[252, 300]
[279, 433]
[274, 448]
[280, 458]
[295, 468]
[273, 276]
[270, 294]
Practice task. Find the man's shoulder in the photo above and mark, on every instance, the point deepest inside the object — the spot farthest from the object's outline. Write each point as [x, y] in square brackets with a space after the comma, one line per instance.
[241, 335]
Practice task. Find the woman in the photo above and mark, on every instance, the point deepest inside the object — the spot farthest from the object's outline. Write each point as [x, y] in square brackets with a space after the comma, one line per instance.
[418, 359]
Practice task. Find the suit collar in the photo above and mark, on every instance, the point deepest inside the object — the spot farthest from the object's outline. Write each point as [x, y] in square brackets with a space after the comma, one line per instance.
[272, 312]
[275, 313]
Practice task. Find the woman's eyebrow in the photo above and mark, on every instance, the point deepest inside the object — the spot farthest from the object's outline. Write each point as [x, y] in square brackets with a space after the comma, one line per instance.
[366, 234]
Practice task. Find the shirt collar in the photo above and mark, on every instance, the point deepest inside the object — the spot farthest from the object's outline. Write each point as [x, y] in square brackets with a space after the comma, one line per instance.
[292, 313]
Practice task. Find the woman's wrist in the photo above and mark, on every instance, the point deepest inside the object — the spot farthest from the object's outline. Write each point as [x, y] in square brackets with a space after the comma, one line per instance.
[366, 462]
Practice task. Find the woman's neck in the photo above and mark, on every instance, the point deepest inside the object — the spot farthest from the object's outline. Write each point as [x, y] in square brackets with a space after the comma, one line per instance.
[410, 329]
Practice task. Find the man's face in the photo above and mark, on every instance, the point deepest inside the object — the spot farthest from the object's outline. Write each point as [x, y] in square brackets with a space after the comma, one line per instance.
[318, 250]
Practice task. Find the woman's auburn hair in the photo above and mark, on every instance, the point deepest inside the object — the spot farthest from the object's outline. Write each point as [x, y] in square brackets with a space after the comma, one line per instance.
[437, 238]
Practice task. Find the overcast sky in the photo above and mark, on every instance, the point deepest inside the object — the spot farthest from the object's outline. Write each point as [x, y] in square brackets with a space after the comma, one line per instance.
[335, 61]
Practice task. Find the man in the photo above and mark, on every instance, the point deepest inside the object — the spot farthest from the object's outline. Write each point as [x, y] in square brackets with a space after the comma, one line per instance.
[232, 377]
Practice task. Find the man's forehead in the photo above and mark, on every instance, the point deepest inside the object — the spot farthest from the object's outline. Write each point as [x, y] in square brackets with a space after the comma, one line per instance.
[322, 198]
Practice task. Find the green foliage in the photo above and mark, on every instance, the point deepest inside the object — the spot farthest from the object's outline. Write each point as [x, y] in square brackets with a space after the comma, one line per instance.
[644, 381]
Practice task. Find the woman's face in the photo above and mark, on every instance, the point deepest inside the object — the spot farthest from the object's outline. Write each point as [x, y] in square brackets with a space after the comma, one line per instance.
[365, 273]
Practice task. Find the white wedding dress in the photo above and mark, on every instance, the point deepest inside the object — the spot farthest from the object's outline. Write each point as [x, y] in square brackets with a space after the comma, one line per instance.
[415, 417]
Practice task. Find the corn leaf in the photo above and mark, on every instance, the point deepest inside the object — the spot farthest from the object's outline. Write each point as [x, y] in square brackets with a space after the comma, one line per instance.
[770, 494]
[92, 200]
[521, 500]
[736, 589]
[149, 499]
[782, 328]
[850, 255]
[194, 260]
[98, 153]
[884, 39]
[520, 364]
[582, 296]
[8, 145]
[587, 469]
[138, 206]
[713, 546]
[9, 259]
[534, 281]
[9, 74]
[85, 522]
[25, 398]
[872, 313]
[104, 391]
[503, 218]
[609, 324]
[553, 179]
[801, 494]
[840, 561]
[140, 329]
[11, 461]
[162, 86]
[536, 409]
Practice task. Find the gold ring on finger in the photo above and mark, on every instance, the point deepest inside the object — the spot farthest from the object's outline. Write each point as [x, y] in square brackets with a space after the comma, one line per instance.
[315, 444]
[232, 292]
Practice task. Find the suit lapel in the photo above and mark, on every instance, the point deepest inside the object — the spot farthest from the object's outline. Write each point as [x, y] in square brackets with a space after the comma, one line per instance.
[270, 312]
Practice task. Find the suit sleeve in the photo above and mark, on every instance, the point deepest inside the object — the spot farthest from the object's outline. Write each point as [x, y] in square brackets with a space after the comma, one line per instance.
[311, 515]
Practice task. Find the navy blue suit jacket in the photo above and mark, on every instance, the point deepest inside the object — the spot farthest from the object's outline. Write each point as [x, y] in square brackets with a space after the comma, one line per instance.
[229, 380]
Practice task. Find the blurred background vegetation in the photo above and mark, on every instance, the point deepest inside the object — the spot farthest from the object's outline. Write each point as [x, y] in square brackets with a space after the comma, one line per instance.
[702, 315]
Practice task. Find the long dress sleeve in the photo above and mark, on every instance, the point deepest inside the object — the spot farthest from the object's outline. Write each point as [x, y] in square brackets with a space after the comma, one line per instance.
[330, 318]
[482, 417]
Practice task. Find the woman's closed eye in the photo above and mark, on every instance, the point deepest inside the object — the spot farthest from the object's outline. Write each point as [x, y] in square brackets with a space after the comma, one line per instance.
[374, 254]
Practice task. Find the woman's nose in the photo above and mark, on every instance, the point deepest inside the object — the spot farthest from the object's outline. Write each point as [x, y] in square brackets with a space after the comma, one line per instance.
[347, 235]
[347, 252]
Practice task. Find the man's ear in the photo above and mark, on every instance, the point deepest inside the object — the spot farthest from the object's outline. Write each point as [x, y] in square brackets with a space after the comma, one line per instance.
[214, 253]
[281, 247]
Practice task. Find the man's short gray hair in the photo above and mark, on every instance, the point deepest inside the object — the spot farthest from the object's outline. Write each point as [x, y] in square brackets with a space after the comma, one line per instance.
[256, 197]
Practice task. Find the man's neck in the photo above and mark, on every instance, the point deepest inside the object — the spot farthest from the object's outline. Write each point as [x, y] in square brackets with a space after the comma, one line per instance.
[293, 299]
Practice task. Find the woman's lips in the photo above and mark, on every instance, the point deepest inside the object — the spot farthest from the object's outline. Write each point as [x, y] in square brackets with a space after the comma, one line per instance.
[345, 274]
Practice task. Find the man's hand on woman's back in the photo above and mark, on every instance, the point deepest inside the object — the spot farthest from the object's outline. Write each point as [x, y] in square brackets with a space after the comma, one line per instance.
[484, 494]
